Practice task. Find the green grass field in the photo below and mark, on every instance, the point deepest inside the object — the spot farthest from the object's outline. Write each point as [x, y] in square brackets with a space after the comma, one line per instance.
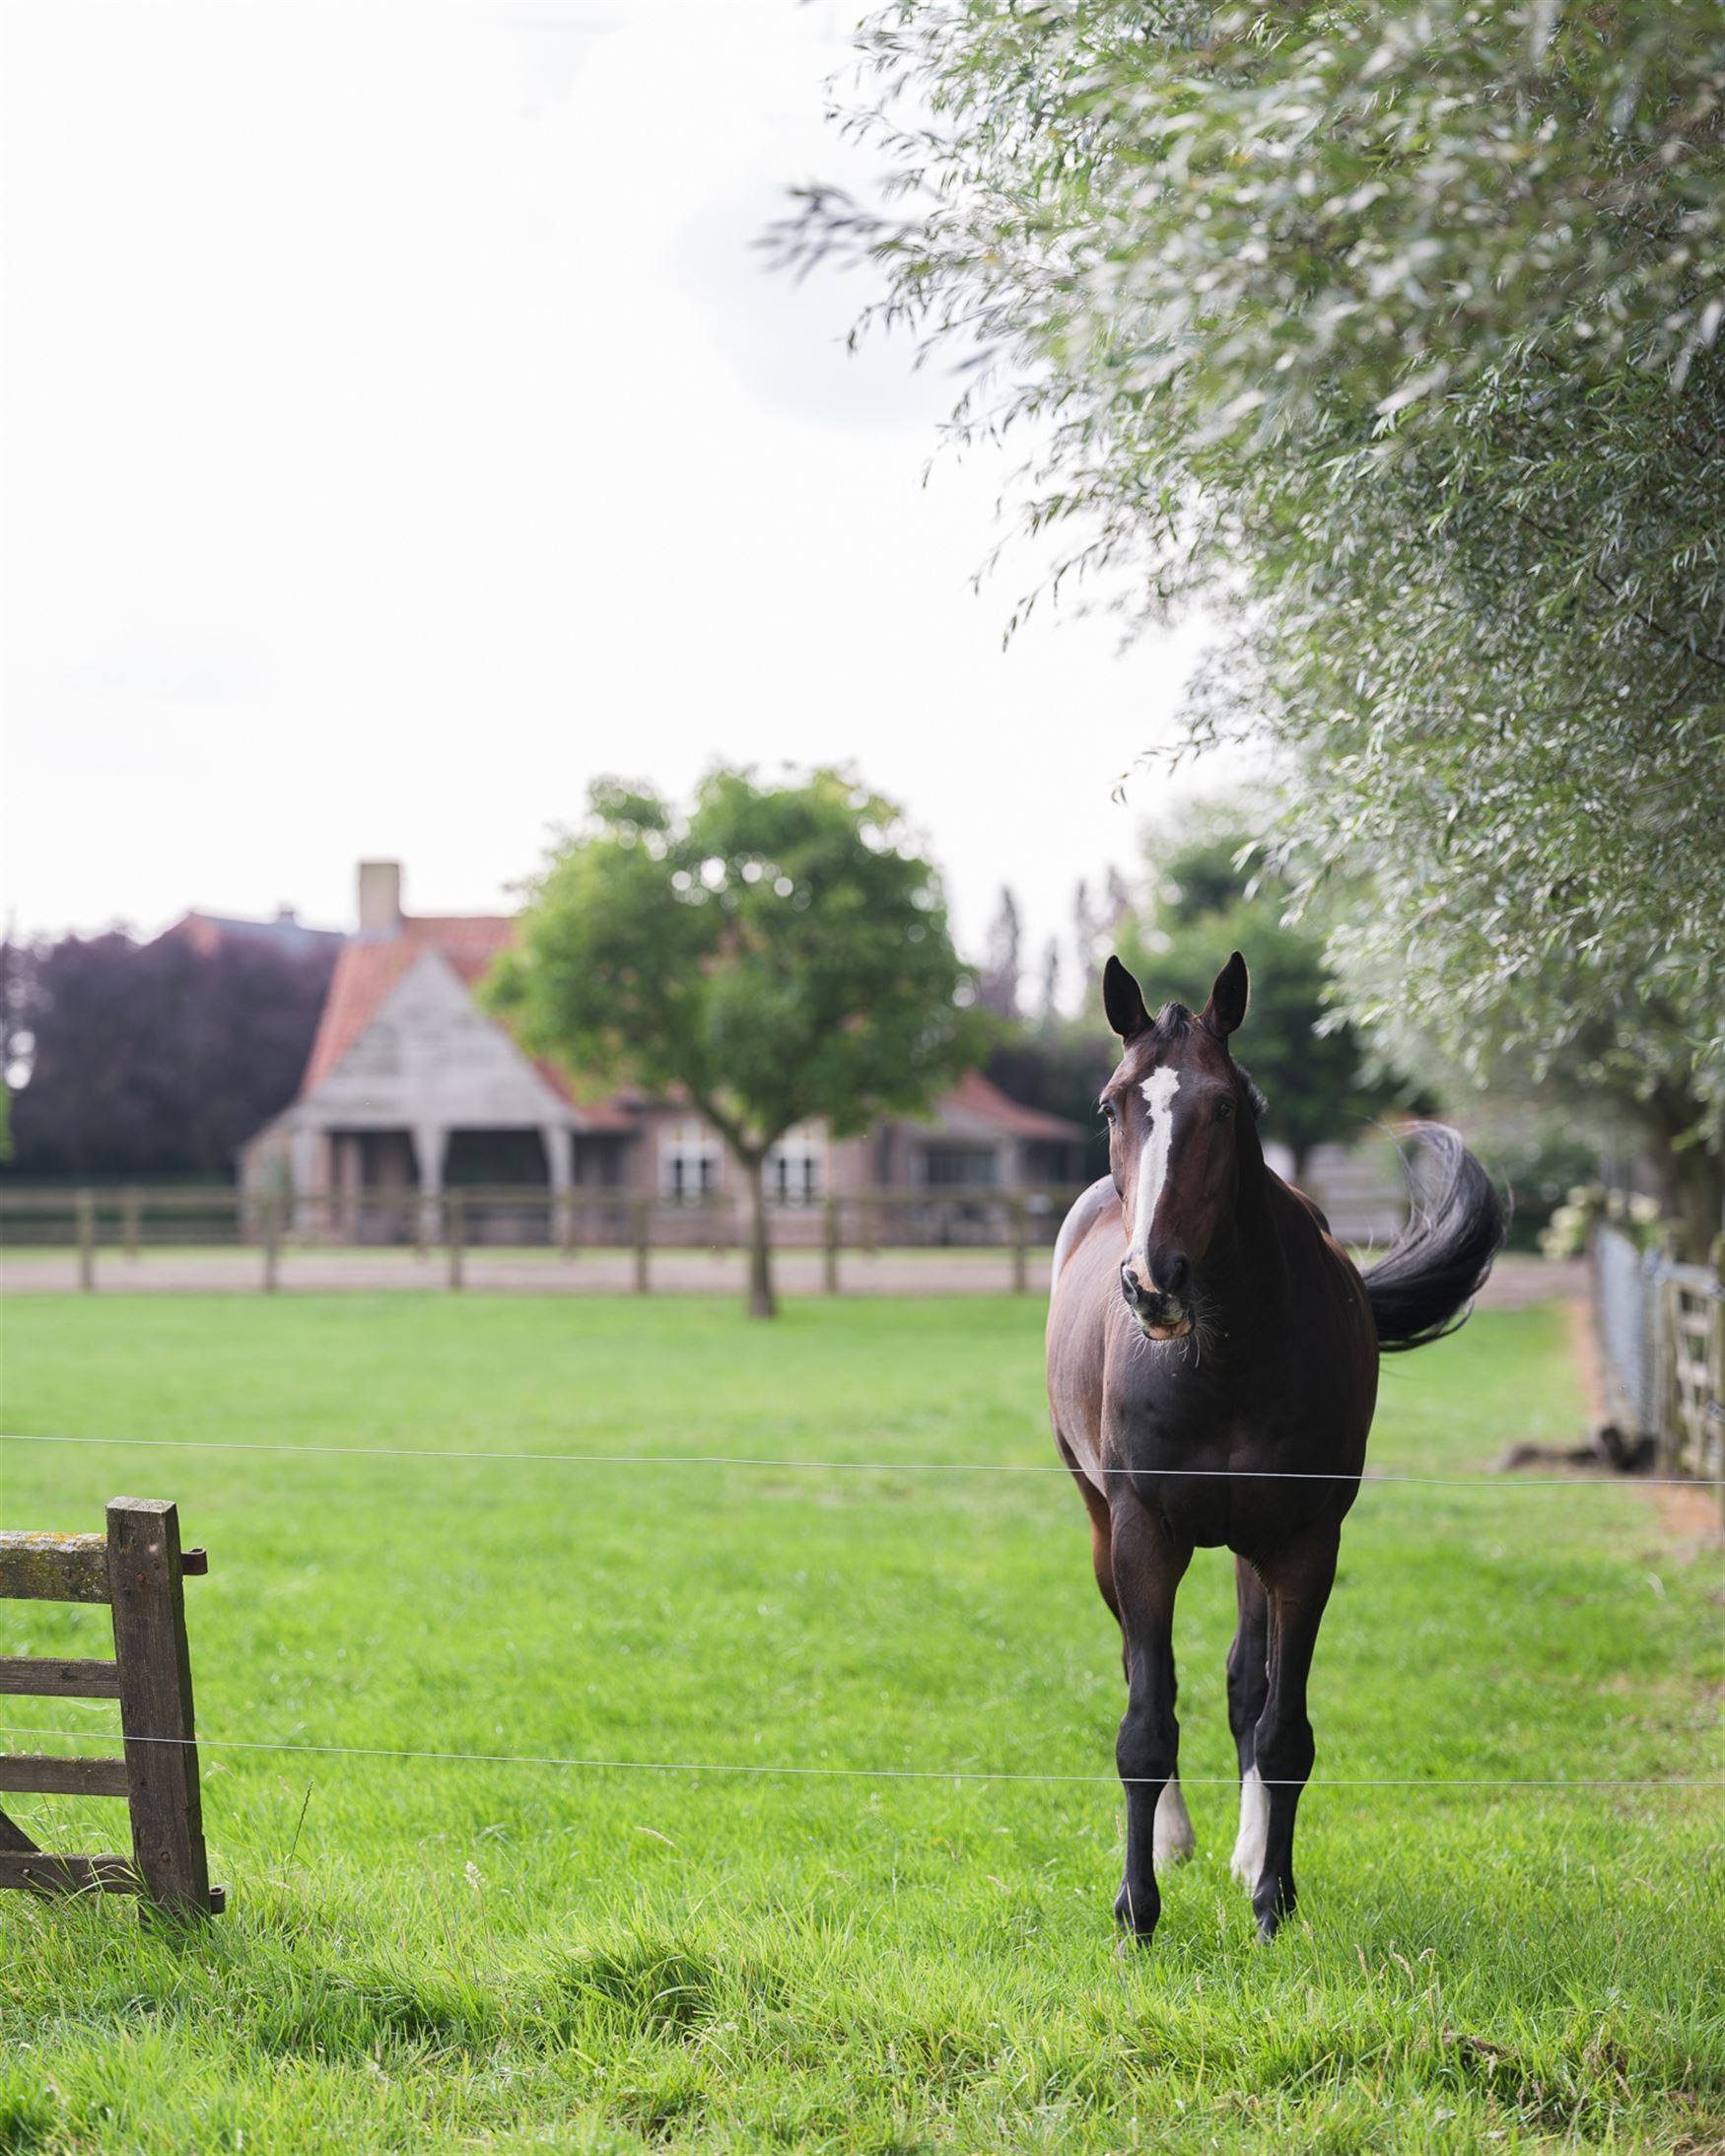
[504, 1956]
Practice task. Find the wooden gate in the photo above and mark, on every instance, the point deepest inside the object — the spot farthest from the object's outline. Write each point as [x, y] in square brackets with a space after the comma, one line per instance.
[1693, 1334]
[136, 1568]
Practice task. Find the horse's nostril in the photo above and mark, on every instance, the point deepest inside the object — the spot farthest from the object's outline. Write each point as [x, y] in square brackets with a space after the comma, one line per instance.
[1129, 1283]
[1173, 1274]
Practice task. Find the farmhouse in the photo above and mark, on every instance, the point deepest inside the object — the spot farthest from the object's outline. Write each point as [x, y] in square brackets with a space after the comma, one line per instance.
[411, 1087]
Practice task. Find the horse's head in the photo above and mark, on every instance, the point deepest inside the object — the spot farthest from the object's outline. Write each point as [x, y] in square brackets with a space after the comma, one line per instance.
[1180, 1113]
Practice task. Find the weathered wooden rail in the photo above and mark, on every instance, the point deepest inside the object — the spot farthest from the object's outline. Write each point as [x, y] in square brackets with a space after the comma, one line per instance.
[136, 1568]
[466, 1222]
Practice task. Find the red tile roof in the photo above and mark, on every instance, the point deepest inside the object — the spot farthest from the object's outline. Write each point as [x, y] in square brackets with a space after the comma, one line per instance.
[979, 1096]
[364, 973]
[367, 968]
[207, 932]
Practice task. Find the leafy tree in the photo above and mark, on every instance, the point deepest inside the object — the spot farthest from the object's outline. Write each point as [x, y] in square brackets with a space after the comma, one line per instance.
[998, 982]
[1060, 1065]
[776, 953]
[151, 1059]
[1630, 1062]
[1391, 330]
[1313, 1070]
[1051, 982]
[1096, 915]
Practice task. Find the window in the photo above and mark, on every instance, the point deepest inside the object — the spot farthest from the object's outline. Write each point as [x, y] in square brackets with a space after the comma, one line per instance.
[945, 1166]
[797, 1167]
[688, 1163]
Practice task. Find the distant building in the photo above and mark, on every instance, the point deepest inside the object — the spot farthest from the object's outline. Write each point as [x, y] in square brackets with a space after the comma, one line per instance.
[287, 933]
[411, 1087]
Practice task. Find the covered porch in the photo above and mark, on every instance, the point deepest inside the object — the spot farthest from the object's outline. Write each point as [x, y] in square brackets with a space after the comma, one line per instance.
[389, 1184]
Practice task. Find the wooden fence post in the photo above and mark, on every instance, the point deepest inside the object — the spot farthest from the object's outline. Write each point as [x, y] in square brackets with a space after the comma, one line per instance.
[454, 1231]
[1670, 1344]
[643, 1236]
[1714, 1411]
[1018, 1217]
[77, 1568]
[271, 1226]
[84, 1205]
[155, 1706]
[831, 1246]
[132, 1204]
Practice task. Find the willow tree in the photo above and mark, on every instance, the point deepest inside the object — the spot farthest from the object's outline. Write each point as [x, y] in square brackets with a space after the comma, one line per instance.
[1319, 1083]
[773, 954]
[1390, 330]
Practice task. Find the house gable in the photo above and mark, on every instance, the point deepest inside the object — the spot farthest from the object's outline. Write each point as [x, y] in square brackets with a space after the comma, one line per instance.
[428, 1054]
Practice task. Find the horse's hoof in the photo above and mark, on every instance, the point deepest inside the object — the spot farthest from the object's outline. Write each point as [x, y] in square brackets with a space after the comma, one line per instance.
[1135, 1918]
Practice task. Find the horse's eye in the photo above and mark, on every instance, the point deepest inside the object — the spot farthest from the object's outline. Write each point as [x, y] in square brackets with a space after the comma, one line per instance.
[1224, 1109]
[1110, 1113]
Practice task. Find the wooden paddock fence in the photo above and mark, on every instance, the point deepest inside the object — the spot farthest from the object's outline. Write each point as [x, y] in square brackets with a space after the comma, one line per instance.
[136, 1568]
[1661, 1328]
[131, 1220]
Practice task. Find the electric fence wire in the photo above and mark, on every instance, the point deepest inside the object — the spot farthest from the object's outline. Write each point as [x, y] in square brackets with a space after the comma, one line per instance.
[861, 1773]
[1509, 1480]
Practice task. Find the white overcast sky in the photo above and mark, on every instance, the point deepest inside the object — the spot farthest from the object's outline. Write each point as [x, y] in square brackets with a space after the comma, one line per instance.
[400, 428]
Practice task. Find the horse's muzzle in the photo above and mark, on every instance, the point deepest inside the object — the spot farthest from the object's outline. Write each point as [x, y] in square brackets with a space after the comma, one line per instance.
[1160, 1317]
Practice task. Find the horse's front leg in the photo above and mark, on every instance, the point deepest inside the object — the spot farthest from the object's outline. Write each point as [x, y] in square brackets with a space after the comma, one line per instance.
[1297, 1582]
[1148, 1565]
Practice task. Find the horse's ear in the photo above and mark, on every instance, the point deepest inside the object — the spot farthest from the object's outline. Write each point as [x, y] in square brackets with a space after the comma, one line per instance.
[1124, 1001]
[1228, 1000]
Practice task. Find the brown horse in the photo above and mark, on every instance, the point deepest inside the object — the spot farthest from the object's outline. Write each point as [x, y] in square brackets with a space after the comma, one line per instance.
[1212, 1365]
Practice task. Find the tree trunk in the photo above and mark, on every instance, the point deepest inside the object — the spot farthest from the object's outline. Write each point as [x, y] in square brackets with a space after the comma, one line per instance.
[1691, 1189]
[762, 1303]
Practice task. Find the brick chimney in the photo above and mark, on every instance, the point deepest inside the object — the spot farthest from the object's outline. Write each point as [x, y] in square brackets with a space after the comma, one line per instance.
[379, 899]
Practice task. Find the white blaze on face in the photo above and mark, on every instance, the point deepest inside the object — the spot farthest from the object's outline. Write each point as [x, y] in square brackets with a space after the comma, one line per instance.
[1158, 1091]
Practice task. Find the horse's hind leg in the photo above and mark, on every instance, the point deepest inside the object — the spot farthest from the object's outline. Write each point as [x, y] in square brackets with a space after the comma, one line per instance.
[1299, 1581]
[1147, 1567]
[1248, 1689]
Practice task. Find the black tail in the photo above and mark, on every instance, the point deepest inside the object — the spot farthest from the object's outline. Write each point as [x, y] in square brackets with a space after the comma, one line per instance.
[1424, 1284]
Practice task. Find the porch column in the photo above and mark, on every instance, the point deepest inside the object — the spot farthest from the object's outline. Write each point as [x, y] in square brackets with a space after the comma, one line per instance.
[347, 1164]
[303, 1145]
[429, 1142]
[559, 1144]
